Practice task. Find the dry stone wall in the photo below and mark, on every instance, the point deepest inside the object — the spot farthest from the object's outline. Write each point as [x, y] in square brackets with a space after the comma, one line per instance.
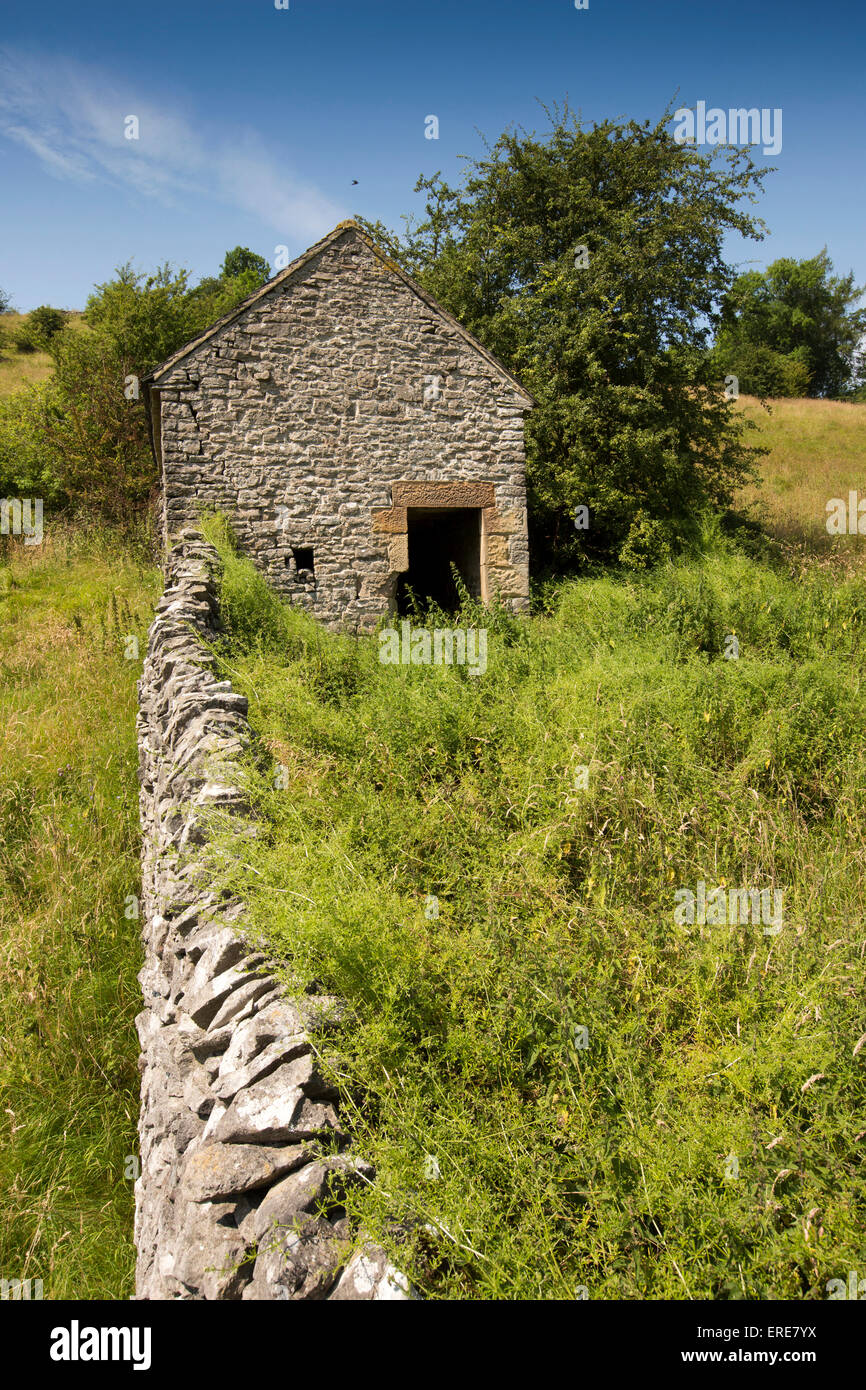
[241, 1142]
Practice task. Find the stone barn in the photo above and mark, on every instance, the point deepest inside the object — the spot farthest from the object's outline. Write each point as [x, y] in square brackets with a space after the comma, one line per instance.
[357, 436]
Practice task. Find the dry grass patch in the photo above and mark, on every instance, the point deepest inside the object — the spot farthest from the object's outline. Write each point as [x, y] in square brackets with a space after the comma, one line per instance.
[818, 451]
[21, 369]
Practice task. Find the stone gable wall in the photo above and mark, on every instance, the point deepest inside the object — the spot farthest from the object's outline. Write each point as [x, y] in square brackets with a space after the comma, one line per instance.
[300, 418]
[240, 1137]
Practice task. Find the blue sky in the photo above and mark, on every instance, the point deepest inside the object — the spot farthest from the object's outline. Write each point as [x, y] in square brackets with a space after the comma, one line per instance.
[254, 121]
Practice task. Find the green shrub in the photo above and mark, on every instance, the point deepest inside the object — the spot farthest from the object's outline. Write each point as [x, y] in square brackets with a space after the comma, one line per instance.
[25, 458]
[44, 322]
[24, 338]
[646, 544]
[96, 440]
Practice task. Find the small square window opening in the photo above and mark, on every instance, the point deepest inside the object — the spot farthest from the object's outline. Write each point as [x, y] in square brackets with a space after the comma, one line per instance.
[303, 558]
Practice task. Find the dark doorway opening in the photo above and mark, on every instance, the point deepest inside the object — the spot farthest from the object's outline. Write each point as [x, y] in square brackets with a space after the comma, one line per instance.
[438, 539]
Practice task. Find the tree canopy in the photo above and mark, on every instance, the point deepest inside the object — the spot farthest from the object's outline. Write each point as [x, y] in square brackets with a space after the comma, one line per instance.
[81, 437]
[793, 324]
[242, 261]
[589, 260]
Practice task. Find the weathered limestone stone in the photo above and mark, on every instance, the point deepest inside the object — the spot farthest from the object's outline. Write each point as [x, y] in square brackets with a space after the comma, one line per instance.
[279, 1109]
[197, 1094]
[223, 1170]
[212, 1255]
[205, 1043]
[227, 1084]
[222, 949]
[298, 1195]
[267, 1026]
[241, 999]
[323, 1181]
[299, 1264]
[370, 1276]
[204, 1005]
[231, 1099]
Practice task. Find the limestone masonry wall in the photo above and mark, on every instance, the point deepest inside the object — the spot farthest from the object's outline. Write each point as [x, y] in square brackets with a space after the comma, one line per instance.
[305, 417]
[240, 1136]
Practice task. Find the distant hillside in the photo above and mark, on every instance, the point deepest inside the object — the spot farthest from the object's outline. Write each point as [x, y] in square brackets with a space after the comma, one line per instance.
[18, 369]
[818, 452]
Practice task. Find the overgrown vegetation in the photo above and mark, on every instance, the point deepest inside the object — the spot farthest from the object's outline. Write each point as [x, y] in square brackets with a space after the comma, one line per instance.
[428, 852]
[69, 956]
[78, 435]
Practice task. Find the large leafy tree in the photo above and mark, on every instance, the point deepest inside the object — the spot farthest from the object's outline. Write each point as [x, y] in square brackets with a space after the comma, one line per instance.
[590, 262]
[798, 311]
[145, 316]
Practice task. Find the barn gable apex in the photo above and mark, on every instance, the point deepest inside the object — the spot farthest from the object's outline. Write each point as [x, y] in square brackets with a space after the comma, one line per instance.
[349, 227]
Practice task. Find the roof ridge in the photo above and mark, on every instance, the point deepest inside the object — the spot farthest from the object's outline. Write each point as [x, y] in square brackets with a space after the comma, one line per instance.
[348, 224]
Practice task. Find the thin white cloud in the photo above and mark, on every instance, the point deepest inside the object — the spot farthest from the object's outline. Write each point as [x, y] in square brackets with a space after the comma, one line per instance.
[249, 179]
[67, 165]
[72, 118]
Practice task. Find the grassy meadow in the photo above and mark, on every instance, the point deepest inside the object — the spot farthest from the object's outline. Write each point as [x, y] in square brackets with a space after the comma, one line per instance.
[563, 1089]
[566, 1092]
[69, 850]
[20, 369]
[817, 451]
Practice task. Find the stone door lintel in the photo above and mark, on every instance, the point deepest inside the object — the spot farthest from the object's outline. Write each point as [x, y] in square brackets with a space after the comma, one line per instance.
[393, 521]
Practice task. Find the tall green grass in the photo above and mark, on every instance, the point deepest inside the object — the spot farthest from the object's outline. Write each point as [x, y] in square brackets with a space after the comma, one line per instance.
[563, 1090]
[69, 849]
